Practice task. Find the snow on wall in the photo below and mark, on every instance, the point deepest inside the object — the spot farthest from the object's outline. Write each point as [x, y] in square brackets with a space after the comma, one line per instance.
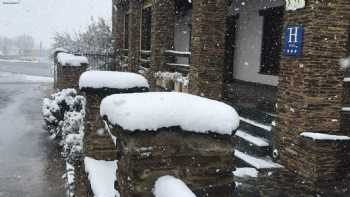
[112, 79]
[322, 136]
[154, 110]
[66, 59]
[295, 4]
[102, 175]
[169, 186]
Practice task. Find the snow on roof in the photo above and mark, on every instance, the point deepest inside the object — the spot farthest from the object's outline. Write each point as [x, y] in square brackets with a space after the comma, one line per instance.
[67, 59]
[322, 136]
[112, 79]
[154, 110]
[169, 186]
[102, 175]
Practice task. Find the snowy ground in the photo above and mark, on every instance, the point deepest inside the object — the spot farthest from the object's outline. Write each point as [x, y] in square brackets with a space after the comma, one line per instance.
[28, 160]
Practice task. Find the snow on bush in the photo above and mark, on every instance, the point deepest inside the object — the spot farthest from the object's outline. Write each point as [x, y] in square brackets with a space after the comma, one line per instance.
[64, 114]
[173, 76]
[168, 186]
[167, 109]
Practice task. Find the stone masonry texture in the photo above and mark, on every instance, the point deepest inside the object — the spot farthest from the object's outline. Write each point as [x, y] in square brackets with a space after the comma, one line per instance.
[204, 162]
[310, 94]
[97, 142]
[68, 76]
[163, 28]
[135, 7]
[208, 48]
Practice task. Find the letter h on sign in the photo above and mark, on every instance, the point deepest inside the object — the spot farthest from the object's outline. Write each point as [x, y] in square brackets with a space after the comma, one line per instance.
[293, 40]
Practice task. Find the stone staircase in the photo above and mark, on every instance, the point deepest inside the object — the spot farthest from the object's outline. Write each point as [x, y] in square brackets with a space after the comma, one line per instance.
[253, 139]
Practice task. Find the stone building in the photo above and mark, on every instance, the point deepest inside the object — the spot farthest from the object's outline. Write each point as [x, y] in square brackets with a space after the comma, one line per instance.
[276, 61]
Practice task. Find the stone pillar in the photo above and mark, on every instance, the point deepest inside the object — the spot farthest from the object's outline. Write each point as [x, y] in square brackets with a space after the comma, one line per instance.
[68, 76]
[135, 9]
[118, 28]
[310, 94]
[208, 48]
[163, 30]
[118, 25]
[204, 162]
[97, 143]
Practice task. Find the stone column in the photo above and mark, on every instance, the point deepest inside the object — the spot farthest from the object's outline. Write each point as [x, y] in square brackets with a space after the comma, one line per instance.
[163, 29]
[118, 28]
[208, 49]
[135, 9]
[118, 25]
[68, 76]
[310, 94]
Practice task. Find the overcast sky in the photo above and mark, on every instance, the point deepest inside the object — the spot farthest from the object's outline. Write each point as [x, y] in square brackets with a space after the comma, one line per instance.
[42, 18]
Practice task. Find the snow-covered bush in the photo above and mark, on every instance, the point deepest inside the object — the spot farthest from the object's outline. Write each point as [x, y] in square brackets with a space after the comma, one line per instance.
[64, 114]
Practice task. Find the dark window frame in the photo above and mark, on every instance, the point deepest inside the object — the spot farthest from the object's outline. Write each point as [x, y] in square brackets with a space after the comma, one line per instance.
[271, 40]
[231, 28]
[126, 31]
[146, 21]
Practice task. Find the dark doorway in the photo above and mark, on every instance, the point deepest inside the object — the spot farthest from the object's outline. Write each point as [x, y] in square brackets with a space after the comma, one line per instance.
[230, 38]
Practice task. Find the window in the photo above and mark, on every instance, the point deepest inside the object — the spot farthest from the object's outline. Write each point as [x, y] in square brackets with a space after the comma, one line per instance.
[146, 28]
[126, 31]
[271, 41]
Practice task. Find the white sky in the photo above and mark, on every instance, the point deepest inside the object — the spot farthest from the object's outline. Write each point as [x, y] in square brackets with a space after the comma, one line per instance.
[42, 18]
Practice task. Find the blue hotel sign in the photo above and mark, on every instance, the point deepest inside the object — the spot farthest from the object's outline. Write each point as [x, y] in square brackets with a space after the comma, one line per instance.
[293, 40]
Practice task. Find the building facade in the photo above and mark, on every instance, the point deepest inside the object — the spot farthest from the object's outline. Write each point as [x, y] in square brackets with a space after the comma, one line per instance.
[277, 61]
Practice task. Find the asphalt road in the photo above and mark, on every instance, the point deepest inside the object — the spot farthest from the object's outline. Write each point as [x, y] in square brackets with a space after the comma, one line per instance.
[30, 164]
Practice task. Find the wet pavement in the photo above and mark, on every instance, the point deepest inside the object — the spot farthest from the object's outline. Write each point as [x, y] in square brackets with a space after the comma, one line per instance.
[30, 163]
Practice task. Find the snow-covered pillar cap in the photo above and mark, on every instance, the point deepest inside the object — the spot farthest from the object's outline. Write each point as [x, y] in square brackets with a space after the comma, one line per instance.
[155, 110]
[112, 80]
[66, 59]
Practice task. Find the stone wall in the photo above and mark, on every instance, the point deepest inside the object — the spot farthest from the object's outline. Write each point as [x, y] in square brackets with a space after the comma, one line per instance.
[310, 93]
[98, 144]
[135, 7]
[204, 162]
[68, 76]
[323, 170]
[347, 93]
[208, 48]
[163, 30]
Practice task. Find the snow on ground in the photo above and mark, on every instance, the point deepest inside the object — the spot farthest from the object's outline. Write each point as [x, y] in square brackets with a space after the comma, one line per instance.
[112, 79]
[168, 186]
[258, 141]
[252, 122]
[9, 77]
[154, 110]
[18, 61]
[322, 136]
[245, 172]
[67, 59]
[259, 163]
[102, 175]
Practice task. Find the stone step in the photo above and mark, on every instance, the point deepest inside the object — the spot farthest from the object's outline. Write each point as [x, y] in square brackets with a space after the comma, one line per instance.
[260, 163]
[254, 114]
[256, 128]
[251, 144]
